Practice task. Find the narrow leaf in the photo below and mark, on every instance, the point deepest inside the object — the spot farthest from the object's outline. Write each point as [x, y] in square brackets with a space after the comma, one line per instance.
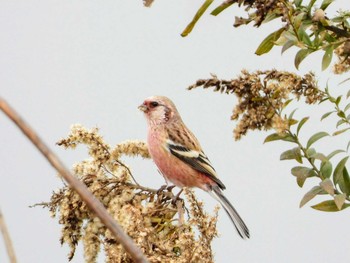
[332, 154]
[340, 122]
[319, 156]
[347, 107]
[329, 206]
[327, 57]
[267, 44]
[344, 182]
[325, 4]
[196, 17]
[311, 4]
[300, 56]
[293, 154]
[326, 169]
[302, 173]
[301, 123]
[338, 171]
[326, 115]
[339, 200]
[276, 137]
[298, 2]
[340, 131]
[288, 45]
[316, 190]
[222, 7]
[292, 114]
[327, 185]
[315, 138]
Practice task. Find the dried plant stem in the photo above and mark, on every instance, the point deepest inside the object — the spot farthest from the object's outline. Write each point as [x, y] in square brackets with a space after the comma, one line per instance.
[77, 185]
[7, 239]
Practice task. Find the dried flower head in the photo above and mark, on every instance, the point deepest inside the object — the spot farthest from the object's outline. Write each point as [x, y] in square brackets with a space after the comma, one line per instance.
[262, 9]
[262, 95]
[148, 216]
[343, 54]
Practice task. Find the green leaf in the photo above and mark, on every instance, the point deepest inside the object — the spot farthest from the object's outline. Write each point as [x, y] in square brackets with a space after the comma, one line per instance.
[327, 185]
[326, 115]
[222, 7]
[298, 19]
[293, 154]
[276, 137]
[310, 152]
[302, 173]
[292, 114]
[329, 206]
[311, 4]
[332, 154]
[319, 156]
[326, 169]
[340, 131]
[286, 103]
[300, 56]
[339, 200]
[292, 122]
[288, 45]
[325, 4]
[341, 114]
[267, 44]
[338, 171]
[340, 122]
[327, 57]
[344, 182]
[196, 17]
[304, 36]
[301, 123]
[315, 138]
[347, 106]
[316, 190]
[298, 2]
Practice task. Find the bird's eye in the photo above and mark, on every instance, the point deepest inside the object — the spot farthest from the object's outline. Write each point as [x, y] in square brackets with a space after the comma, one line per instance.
[154, 104]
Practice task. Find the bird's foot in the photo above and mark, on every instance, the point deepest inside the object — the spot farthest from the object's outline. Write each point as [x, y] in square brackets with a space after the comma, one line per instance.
[177, 198]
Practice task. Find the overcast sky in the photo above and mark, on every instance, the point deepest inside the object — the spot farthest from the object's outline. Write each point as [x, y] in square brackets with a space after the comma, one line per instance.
[93, 62]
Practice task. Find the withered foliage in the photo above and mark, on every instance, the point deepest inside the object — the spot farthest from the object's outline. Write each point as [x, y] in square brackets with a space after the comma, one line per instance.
[343, 54]
[262, 10]
[152, 218]
[262, 95]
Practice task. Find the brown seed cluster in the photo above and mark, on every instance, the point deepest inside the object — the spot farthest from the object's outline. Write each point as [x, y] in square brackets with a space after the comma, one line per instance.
[262, 9]
[262, 95]
[343, 54]
[148, 216]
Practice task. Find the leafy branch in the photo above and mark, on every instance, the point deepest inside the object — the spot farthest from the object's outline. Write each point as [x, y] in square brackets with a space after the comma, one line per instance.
[304, 25]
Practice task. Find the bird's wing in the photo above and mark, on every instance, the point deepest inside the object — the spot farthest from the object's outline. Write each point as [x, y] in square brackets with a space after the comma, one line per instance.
[196, 159]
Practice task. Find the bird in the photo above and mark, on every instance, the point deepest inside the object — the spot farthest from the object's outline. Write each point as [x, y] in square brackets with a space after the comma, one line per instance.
[179, 156]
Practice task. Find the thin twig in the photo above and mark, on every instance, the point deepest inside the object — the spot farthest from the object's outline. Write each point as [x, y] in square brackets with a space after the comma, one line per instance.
[7, 239]
[95, 205]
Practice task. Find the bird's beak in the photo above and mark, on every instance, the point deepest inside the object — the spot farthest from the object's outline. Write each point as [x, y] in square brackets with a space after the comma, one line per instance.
[143, 108]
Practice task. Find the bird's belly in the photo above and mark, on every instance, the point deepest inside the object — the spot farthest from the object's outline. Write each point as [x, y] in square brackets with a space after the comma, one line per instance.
[178, 172]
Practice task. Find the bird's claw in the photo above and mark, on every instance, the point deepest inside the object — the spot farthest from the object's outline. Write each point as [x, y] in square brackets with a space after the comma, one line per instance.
[161, 189]
[176, 198]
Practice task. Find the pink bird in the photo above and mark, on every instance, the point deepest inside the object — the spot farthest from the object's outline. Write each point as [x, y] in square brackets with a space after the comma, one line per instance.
[179, 156]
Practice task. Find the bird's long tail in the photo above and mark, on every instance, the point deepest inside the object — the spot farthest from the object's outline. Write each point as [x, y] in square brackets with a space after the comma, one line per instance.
[241, 228]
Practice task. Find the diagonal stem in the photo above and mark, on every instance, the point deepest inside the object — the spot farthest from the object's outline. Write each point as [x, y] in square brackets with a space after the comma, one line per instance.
[7, 239]
[95, 205]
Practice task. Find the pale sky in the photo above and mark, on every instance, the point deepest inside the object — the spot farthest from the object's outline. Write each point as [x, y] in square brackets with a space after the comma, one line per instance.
[93, 62]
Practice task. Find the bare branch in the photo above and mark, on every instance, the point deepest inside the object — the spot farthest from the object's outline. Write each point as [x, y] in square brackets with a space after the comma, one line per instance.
[77, 185]
[7, 240]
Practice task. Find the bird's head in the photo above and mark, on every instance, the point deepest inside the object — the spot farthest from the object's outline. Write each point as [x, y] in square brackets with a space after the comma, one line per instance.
[159, 109]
